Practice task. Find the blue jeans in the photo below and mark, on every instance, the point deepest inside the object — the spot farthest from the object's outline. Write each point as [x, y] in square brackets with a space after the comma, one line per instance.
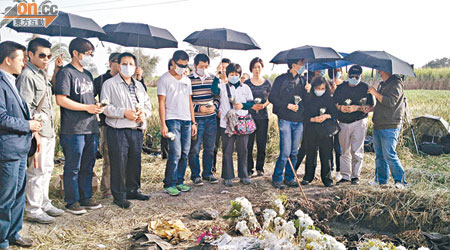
[385, 142]
[79, 152]
[290, 136]
[178, 152]
[206, 134]
[12, 199]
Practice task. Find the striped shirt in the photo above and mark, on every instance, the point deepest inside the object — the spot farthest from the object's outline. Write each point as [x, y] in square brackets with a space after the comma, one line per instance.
[202, 95]
[132, 89]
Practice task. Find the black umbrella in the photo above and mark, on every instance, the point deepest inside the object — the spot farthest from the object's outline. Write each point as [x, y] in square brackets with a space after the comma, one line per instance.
[310, 53]
[66, 24]
[222, 39]
[381, 60]
[138, 35]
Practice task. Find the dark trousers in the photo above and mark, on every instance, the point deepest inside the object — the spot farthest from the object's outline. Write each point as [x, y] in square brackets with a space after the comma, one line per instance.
[262, 126]
[227, 158]
[125, 146]
[216, 145]
[337, 154]
[302, 154]
[318, 141]
[12, 199]
[79, 152]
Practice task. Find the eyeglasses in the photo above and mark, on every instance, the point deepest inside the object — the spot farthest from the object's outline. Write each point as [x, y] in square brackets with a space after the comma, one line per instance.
[181, 65]
[43, 56]
[353, 76]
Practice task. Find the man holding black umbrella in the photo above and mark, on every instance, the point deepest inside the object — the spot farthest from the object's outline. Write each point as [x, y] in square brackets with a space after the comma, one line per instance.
[387, 123]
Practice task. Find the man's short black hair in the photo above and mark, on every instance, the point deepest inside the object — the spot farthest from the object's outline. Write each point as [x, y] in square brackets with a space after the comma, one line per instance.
[293, 61]
[201, 58]
[127, 54]
[254, 61]
[234, 67]
[114, 56]
[180, 55]
[38, 42]
[81, 45]
[8, 49]
[170, 64]
[226, 60]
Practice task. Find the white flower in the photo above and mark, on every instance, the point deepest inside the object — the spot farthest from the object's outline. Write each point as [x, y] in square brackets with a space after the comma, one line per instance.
[279, 205]
[312, 235]
[139, 106]
[363, 101]
[232, 100]
[304, 219]
[299, 213]
[423, 248]
[105, 102]
[241, 226]
[348, 101]
[401, 248]
[338, 246]
[316, 246]
[171, 136]
[40, 117]
[322, 111]
[297, 99]
[289, 227]
[258, 100]
[209, 104]
[374, 248]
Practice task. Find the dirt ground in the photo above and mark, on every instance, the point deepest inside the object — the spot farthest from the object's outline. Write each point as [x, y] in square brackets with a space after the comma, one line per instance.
[111, 226]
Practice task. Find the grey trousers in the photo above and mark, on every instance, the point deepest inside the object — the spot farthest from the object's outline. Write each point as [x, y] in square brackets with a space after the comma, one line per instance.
[227, 158]
[351, 139]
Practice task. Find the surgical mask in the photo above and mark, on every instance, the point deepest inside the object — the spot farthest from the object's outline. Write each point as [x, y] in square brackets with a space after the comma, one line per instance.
[353, 82]
[179, 70]
[234, 79]
[323, 72]
[201, 72]
[319, 92]
[85, 60]
[338, 75]
[127, 70]
[301, 70]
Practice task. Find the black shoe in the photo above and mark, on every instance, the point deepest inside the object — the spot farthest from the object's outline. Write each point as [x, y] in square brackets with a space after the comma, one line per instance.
[197, 182]
[122, 203]
[245, 181]
[90, 204]
[211, 179]
[355, 181]
[304, 183]
[259, 173]
[278, 185]
[329, 184]
[342, 181]
[137, 195]
[291, 183]
[22, 242]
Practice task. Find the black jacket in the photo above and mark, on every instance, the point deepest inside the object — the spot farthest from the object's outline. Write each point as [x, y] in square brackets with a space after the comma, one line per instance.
[312, 109]
[284, 88]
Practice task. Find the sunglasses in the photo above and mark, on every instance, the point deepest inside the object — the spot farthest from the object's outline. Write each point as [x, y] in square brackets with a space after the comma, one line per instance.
[43, 56]
[356, 77]
[181, 65]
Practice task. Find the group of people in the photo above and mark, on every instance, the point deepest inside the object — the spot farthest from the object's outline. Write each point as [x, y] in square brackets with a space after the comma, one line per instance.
[198, 112]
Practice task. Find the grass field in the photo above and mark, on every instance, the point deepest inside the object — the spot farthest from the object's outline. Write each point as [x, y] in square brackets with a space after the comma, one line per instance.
[425, 204]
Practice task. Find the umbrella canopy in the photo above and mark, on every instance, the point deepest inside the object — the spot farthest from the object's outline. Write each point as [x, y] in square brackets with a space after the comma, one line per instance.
[432, 125]
[330, 65]
[308, 52]
[66, 24]
[381, 60]
[222, 39]
[138, 35]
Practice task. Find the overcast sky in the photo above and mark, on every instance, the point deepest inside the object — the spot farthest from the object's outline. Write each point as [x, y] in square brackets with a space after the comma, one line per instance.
[415, 31]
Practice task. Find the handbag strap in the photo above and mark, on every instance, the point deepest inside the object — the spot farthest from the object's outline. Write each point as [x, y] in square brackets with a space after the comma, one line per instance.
[229, 95]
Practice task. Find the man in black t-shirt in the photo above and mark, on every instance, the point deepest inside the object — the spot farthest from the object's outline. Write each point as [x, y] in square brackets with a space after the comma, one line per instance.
[351, 100]
[79, 127]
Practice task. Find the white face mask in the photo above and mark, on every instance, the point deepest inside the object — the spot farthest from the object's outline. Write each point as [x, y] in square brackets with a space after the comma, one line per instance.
[234, 79]
[127, 70]
[85, 60]
[319, 92]
[201, 72]
[179, 70]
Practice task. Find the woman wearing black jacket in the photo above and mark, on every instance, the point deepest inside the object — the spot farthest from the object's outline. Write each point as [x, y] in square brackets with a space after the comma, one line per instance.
[319, 107]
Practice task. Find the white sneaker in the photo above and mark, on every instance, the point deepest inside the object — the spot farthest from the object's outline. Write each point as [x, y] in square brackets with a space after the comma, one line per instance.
[399, 185]
[54, 212]
[40, 218]
[337, 176]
